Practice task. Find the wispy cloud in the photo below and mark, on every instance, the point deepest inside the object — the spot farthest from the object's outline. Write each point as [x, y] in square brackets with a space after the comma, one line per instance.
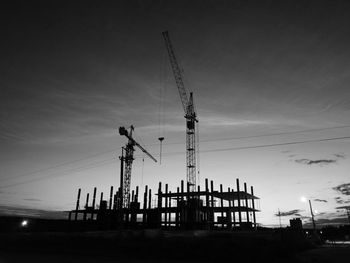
[340, 155]
[220, 121]
[176, 123]
[168, 127]
[69, 108]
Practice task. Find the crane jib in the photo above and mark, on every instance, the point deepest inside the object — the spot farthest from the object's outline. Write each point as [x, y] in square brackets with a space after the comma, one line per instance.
[177, 72]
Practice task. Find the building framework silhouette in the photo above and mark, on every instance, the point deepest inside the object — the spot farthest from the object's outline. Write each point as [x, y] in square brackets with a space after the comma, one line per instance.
[182, 209]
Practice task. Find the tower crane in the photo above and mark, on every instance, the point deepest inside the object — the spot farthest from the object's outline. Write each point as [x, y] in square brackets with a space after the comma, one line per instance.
[126, 162]
[190, 114]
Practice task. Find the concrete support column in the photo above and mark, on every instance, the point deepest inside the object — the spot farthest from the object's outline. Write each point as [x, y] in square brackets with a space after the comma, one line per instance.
[77, 205]
[239, 202]
[86, 206]
[246, 202]
[253, 205]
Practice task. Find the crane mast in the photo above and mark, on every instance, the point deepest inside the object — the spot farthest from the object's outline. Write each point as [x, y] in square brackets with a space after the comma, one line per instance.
[190, 115]
[127, 160]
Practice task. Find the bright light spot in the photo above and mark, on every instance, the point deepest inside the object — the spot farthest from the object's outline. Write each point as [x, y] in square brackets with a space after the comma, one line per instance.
[303, 199]
[24, 223]
[316, 212]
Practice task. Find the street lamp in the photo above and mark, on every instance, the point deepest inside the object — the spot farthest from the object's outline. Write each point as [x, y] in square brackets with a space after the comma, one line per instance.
[24, 223]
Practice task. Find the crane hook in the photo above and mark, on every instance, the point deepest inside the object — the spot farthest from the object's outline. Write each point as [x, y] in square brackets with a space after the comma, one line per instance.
[160, 150]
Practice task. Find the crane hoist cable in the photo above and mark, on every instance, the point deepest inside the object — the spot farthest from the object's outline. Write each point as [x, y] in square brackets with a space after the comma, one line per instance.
[162, 86]
[160, 149]
[142, 169]
[198, 155]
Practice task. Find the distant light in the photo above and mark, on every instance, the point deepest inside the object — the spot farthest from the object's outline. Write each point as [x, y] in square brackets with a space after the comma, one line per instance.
[24, 223]
[303, 199]
[316, 212]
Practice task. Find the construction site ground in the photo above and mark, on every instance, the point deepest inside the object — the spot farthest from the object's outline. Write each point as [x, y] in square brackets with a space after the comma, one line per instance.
[165, 246]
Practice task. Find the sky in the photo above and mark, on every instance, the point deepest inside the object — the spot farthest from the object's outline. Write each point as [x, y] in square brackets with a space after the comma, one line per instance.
[270, 82]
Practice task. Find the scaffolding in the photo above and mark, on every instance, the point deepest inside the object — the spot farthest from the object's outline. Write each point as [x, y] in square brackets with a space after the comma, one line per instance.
[181, 209]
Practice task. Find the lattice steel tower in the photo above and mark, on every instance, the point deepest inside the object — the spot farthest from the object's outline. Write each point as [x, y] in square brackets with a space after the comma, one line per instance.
[126, 162]
[190, 115]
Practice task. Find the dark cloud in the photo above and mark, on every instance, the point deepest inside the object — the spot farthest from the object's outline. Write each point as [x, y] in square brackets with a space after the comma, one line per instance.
[341, 201]
[31, 212]
[328, 218]
[343, 189]
[327, 222]
[320, 161]
[343, 207]
[32, 199]
[320, 200]
[310, 162]
[295, 212]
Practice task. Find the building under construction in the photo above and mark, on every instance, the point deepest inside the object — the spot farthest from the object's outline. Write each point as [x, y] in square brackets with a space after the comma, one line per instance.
[182, 209]
[190, 208]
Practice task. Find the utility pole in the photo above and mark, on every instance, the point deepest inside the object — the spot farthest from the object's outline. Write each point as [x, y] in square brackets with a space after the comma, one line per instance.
[279, 216]
[312, 216]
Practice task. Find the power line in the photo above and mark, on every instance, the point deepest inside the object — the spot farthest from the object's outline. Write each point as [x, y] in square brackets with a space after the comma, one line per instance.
[278, 144]
[74, 170]
[175, 153]
[67, 172]
[56, 166]
[261, 146]
[276, 134]
[262, 135]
